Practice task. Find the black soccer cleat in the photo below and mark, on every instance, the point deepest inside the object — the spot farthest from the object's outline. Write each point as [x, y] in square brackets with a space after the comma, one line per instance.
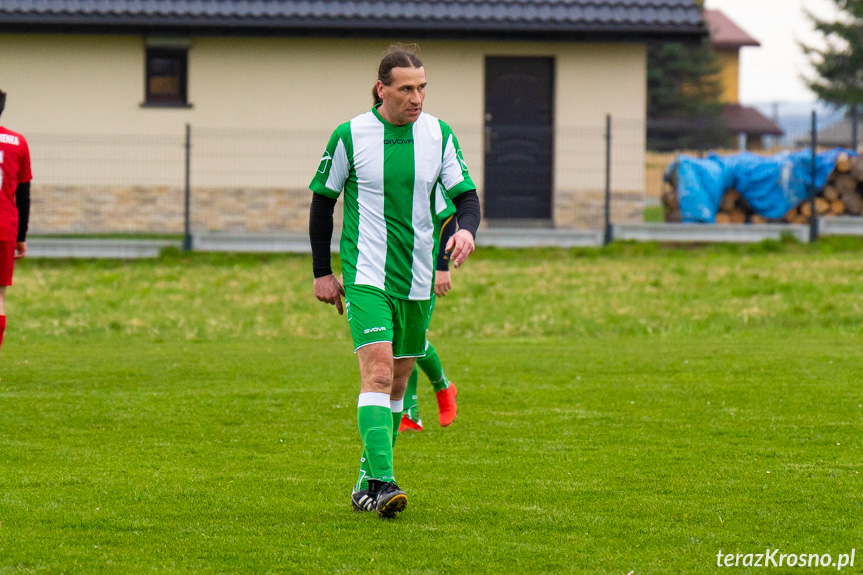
[390, 500]
[362, 501]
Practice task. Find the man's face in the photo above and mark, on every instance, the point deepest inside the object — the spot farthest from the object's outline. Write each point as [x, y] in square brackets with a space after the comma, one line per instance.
[403, 98]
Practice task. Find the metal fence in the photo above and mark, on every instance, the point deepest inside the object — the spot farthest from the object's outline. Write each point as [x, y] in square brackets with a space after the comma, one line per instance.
[202, 180]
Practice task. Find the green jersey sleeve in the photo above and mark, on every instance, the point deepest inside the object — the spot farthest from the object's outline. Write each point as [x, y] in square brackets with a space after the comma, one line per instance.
[334, 167]
[454, 174]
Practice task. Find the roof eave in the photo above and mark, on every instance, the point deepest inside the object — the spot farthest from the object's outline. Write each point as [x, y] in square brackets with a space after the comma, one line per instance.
[735, 45]
[68, 23]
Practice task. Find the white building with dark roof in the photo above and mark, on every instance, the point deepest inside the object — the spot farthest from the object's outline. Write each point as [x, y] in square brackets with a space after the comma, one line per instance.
[525, 83]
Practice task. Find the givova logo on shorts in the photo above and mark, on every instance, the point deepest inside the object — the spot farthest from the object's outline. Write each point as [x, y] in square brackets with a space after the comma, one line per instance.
[374, 329]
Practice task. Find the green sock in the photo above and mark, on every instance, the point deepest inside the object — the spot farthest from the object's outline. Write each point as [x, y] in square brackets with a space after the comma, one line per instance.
[365, 473]
[365, 468]
[431, 366]
[375, 422]
[412, 407]
[397, 417]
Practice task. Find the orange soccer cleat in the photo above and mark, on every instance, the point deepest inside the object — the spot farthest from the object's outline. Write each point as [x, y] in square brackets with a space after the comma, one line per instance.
[447, 409]
[409, 424]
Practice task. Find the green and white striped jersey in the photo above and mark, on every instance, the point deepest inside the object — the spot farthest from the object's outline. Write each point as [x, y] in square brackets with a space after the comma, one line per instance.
[389, 174]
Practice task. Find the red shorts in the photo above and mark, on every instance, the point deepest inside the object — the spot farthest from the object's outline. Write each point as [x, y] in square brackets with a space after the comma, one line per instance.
[7, 262]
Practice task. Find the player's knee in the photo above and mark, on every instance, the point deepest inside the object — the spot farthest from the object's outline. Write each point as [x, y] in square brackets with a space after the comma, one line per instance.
[380, 379]
[376, 367]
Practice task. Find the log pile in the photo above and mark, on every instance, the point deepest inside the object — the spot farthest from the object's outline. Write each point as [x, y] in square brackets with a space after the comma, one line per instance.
[669, 198]
[843, 195]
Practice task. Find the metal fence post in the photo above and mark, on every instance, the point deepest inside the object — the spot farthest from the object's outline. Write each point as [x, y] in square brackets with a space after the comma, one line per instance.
[187, 193]
[813, 219]
[607, 236]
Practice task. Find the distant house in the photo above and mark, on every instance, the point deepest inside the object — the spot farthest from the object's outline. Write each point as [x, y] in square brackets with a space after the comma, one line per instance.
[514, 79]
[840, 132]
[727, 38]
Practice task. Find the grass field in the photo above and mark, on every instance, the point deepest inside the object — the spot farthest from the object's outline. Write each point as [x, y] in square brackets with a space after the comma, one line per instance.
[635, 408]
[654, 213]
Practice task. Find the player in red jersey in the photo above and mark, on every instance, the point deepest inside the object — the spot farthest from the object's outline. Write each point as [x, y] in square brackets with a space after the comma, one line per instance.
[15, 179]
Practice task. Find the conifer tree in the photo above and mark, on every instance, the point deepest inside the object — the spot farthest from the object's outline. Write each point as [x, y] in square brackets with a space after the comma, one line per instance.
[839, 66]
[684, 110]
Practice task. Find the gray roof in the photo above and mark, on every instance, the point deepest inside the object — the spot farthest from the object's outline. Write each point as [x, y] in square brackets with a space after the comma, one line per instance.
[840, 134]
[668, 19]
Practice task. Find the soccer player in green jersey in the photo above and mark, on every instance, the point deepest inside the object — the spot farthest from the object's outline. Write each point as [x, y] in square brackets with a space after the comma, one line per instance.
[387, 162]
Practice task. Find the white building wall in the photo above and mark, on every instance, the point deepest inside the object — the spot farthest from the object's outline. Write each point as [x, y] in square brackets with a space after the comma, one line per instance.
[261, 109]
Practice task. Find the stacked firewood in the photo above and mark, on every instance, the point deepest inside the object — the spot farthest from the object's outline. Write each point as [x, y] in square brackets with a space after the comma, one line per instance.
[843, 195]
[733, 209]
[669, 198]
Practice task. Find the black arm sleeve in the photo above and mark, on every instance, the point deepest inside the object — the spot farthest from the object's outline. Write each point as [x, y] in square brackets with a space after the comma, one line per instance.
[22, 201]
[446, 231]
[321, 233]
[467, 211]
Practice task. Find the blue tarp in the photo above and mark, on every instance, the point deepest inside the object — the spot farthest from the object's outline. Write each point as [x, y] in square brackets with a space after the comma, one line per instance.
[771, 185]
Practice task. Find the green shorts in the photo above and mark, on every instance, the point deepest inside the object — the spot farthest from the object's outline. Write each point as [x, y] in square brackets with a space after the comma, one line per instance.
[376, 317]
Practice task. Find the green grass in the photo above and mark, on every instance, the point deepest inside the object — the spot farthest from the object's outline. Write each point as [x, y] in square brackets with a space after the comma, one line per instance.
[654, 214]
[620, 410]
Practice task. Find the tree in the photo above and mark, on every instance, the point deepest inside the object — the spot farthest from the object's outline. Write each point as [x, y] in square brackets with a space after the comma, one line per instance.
[684, 110]
[839, 66]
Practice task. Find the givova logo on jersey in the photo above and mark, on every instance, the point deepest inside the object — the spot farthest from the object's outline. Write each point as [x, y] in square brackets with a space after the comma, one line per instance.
[461, 161]
[325, 160]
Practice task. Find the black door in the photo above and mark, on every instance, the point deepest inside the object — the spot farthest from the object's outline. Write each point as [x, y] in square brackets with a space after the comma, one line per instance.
[519, 117]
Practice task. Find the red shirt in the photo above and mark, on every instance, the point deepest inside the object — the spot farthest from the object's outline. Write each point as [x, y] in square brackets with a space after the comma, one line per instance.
[14, 170]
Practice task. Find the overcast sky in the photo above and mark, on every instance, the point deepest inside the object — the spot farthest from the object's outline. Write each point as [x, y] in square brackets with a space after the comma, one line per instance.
[771, 72]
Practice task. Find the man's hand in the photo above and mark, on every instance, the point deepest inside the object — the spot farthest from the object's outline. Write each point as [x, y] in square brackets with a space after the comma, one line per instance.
[329, 290]
[20, 250]
[442, 283]
[460, 246]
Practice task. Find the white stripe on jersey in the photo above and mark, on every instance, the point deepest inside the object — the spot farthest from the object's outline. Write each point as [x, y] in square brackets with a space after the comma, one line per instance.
[451, 171]
[339, 171]
[367, 134]
[427, 144]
